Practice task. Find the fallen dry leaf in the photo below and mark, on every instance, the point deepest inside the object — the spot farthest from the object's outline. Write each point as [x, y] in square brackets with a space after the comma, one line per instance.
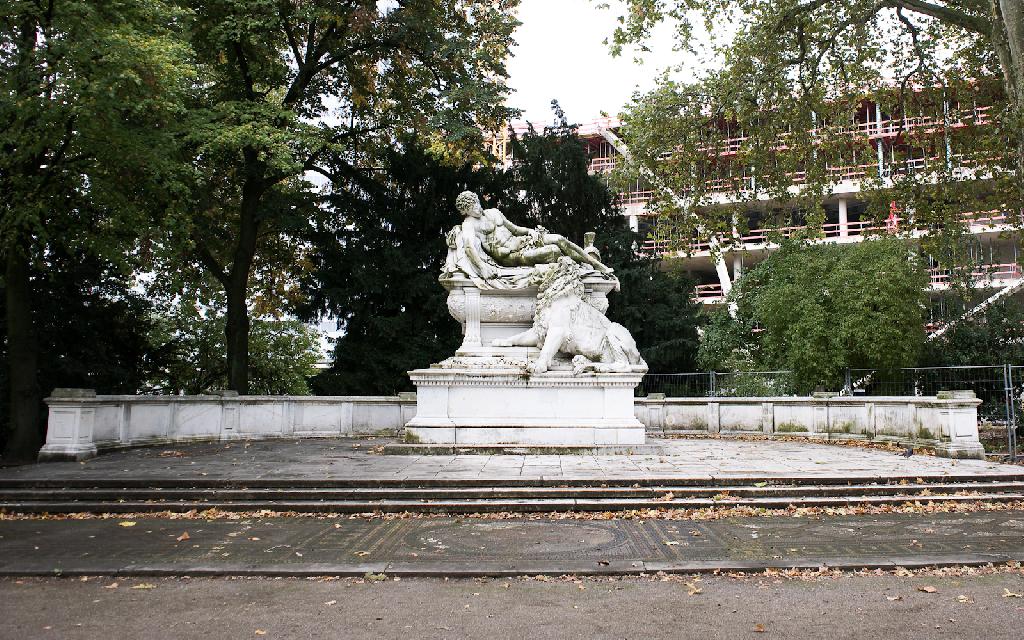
[964, 599]
[893, 598]
[928, 589]
[330, 603]
[144, 585]
[126, 523]
[671, 543]
[112, 585]
[693, 589]
[758, 628]
[261, 632]
[362, 553]
[184, 536]
[1010, 594]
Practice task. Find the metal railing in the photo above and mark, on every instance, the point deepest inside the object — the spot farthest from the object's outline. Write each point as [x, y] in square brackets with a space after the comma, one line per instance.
[716, 383]
[999, 387]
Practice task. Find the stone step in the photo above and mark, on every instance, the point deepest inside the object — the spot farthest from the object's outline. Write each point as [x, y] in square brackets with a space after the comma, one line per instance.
[492, 493]
[487, 506]
[517, 481]
[404, 449]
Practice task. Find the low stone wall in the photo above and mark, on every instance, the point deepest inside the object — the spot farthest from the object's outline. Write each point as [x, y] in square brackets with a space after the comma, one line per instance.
[947, 423]
[82, 423]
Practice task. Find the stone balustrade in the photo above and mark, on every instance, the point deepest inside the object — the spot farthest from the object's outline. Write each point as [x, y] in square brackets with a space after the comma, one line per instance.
[947, 423]
[82, 423]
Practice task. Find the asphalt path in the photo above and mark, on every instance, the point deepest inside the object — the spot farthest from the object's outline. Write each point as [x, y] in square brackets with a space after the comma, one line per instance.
[706, 607]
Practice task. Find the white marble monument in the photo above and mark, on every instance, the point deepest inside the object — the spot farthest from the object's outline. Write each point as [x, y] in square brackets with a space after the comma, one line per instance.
[540, 364]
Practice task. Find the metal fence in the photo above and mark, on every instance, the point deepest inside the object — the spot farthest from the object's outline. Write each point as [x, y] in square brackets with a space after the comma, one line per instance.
[715, 383]
[1000, 388]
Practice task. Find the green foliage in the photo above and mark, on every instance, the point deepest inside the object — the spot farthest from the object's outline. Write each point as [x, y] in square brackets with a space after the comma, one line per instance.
[88, 90]
[995, 336]
[548, 184]
[820, 309]
[187, 354]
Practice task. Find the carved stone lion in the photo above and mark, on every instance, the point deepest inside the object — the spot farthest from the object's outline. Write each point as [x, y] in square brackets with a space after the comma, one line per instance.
[565, 322]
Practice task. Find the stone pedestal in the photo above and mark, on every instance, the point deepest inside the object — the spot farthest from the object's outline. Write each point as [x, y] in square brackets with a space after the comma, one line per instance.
[504, 406]
[485, 396]
[70, 426]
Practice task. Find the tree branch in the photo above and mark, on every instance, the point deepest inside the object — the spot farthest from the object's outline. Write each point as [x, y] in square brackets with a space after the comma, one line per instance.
[243, 66]
[946, 14]
[292, 42]
[922, 62]
[208, 261]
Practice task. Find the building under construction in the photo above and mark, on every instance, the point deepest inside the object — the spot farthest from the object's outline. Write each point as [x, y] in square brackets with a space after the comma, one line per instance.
[881, 144]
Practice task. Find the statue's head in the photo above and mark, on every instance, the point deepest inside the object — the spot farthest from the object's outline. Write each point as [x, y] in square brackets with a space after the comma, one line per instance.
[468, 204]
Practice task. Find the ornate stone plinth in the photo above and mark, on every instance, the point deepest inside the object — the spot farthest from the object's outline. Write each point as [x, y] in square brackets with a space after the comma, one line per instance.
[504, 406]
[487, 314]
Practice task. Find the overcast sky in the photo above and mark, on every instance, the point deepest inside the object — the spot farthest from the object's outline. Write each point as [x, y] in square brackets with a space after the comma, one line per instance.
[559, 55]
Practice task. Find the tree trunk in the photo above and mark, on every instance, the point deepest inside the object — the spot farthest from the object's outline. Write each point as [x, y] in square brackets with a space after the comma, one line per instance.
[25, 434]
[236, 332]
[1007, 19]
[236, 284]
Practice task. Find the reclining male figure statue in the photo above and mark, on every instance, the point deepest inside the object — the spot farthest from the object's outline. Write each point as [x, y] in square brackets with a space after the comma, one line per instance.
[491, 239]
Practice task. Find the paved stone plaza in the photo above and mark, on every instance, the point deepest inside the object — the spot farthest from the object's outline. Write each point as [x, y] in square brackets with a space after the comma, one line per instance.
[358, 459]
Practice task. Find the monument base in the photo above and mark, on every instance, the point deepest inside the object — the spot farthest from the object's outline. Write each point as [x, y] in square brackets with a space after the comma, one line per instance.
[504, 406]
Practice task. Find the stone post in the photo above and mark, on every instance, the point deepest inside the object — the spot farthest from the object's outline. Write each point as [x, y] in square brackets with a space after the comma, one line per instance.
[958, 417]
[768, 417]
[69, 427]
[714, 417]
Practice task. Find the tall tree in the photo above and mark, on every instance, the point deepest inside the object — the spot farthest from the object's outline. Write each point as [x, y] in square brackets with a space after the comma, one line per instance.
[791, 93]
[90, 326]
[87, 89]
[292, 90]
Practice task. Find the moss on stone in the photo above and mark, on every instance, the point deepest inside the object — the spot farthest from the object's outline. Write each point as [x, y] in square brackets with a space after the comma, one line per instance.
[789, 427]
